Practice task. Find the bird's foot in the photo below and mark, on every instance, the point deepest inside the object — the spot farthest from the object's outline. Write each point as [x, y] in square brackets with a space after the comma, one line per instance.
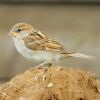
[44, 65]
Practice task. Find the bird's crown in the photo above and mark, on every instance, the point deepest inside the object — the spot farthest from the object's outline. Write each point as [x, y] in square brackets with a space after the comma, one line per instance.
[20, 27]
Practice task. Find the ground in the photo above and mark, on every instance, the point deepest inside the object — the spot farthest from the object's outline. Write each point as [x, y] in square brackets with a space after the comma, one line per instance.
[53, 83]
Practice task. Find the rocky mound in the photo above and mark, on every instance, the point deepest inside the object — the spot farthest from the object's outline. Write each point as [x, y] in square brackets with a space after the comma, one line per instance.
[53, 83]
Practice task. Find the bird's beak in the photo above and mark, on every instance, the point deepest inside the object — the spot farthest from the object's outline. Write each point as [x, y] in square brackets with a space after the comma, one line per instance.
[13, 34]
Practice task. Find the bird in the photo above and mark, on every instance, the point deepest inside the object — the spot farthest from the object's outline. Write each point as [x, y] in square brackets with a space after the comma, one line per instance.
[35, 46]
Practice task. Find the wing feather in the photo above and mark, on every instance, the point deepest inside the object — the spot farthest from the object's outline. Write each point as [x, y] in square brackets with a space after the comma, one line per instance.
[37, 41]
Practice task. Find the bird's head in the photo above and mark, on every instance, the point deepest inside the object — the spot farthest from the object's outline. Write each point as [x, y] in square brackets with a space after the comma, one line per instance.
[20, 30]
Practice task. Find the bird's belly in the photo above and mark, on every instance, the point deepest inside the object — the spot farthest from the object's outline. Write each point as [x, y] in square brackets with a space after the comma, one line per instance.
[36, 55]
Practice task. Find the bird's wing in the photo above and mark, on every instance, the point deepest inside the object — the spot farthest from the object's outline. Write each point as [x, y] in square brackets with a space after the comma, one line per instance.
[40, 42]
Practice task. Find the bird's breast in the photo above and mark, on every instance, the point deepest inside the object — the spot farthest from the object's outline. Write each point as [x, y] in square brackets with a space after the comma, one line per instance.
[35, 54]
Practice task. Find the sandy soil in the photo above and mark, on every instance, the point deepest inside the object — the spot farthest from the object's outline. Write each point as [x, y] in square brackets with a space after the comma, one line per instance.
[53, 83]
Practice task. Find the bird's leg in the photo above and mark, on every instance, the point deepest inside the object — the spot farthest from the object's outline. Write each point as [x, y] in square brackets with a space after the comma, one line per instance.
[45, 64]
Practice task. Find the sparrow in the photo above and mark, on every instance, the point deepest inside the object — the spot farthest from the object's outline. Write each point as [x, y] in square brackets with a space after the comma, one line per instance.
[34, 45]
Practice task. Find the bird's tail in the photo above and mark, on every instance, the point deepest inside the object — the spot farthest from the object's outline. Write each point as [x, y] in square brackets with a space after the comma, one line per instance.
[80, 55]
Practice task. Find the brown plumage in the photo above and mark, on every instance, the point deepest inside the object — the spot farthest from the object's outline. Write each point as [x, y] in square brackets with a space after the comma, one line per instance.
[33, 44]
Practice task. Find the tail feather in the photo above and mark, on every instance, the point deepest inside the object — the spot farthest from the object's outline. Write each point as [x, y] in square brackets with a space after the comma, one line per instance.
[80, 55]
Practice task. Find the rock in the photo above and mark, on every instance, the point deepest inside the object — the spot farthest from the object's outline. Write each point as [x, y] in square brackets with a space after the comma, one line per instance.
[53, 83]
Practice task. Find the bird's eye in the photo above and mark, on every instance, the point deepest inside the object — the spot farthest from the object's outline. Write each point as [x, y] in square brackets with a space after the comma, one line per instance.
[18, 30]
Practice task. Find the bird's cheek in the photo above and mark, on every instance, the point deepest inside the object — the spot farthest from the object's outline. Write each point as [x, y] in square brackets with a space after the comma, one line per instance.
[19, 36]
[23, 34]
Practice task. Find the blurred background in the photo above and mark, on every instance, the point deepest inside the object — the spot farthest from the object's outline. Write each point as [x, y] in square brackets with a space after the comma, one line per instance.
[74, 23]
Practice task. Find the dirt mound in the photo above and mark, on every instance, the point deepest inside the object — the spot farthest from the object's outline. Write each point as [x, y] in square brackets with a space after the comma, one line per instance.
[54, 83]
